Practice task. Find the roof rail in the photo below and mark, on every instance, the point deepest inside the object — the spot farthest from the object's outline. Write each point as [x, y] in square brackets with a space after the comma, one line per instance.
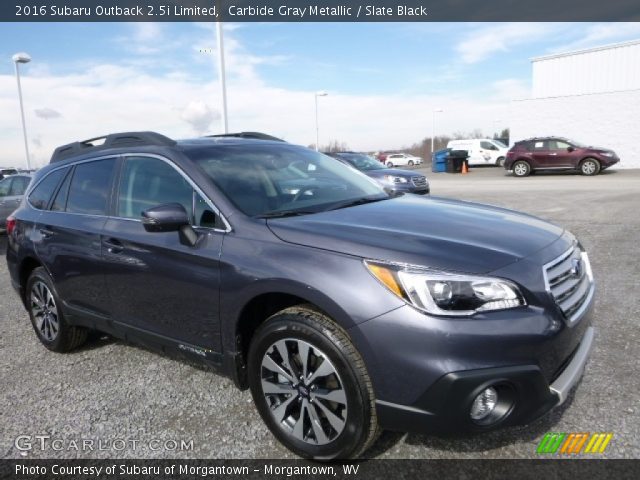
[114, 140]
[255, 135]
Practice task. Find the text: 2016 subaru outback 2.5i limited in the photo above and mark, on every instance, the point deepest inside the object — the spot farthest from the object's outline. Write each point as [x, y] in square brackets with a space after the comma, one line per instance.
[344, 309]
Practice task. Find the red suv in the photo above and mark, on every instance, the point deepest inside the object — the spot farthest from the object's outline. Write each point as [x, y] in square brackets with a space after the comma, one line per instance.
[556, 153]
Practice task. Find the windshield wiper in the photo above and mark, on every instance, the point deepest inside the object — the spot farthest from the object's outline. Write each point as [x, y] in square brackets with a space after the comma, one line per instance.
[358, 201]
[285, 213]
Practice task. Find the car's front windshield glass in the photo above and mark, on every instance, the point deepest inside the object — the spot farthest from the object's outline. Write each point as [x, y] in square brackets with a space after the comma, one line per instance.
[272, 180]
[574, 143]
[499, 143]
[361, 161]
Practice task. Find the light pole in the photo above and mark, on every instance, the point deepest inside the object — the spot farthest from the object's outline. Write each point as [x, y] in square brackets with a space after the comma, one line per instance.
[223, 80]
[433, 125]
[318, 94]
[22, 58]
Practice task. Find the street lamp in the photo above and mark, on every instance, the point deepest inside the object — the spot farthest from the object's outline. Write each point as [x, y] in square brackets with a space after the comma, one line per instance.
[223, 80]
[433, 130]
[318, 94]
[22, 58]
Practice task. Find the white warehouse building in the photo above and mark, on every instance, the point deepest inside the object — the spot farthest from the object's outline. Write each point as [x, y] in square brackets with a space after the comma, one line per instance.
[591, 96]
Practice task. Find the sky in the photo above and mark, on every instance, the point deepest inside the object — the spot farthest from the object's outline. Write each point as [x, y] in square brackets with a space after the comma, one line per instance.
[383, 80]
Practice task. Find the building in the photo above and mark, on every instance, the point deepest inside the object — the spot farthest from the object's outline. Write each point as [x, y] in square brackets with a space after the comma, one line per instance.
[591, 96]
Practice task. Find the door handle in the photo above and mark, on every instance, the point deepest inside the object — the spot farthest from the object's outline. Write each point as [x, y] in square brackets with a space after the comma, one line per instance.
[46, 233]
[113, 245]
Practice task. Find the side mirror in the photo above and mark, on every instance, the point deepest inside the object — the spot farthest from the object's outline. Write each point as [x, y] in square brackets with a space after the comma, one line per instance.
[570, 149]
[169, 217]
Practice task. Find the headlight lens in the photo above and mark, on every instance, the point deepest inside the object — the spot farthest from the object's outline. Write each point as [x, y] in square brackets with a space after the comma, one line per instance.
[442, 293]
[395, 179]
[608, 154]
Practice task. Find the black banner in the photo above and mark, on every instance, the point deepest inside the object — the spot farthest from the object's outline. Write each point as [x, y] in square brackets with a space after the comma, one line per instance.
[276, 469]
[317, 11]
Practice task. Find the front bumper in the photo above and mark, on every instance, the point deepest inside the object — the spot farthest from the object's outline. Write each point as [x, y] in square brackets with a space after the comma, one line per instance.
[524, 388]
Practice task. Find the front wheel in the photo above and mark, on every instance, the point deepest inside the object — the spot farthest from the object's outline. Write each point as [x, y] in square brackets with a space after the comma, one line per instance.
[521, 168]
[589, 166]
[500, 162]
[390, 164]
[410, 163]
[311, 387]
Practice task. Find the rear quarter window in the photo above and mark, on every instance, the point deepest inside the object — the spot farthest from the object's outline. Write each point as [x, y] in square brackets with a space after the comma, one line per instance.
[41, 195]
[90, 185]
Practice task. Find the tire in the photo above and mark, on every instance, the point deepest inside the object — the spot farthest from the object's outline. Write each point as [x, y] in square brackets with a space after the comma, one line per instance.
[521, 168]
[410, 163]
[590, 167]
[47, 319]
[390, 164]
[500, 162]
[347, 424]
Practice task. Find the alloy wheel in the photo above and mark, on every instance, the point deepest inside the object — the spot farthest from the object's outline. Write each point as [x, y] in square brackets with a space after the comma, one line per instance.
[303, 391]
[520, 169]
[44, 310]
[589, 167]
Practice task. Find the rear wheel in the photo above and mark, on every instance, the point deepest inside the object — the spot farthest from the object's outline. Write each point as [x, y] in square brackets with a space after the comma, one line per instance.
[589, 166]
[521, 168]
[311, 387]
[47, 318]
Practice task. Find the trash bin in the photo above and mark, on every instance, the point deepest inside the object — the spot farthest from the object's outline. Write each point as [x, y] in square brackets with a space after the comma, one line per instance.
[439, 160]
[455, 160]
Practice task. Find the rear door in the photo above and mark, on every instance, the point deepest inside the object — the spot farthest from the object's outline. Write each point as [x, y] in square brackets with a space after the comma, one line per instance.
[157, 284]
[541, 155]
[69, 236]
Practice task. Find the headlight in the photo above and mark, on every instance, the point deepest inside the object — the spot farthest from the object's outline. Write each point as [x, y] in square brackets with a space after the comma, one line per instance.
[608, 154]
[442, 293]
[395, 179]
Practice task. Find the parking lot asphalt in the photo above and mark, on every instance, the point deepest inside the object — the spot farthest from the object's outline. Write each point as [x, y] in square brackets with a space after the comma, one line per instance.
[110, 390]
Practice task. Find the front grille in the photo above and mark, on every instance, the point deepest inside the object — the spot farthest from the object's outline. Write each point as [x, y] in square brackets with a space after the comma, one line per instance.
[568, 279]
[419, 181]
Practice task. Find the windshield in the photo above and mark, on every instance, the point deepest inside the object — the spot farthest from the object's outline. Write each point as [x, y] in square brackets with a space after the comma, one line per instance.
[272, 180]
[499, 143]
[361, 161]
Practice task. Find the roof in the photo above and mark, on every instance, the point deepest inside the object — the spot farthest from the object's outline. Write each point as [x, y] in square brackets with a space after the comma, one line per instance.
[122, 140]
[586, 50]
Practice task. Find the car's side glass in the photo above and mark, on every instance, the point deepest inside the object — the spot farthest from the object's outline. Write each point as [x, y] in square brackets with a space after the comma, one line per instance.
[5, 186]
[148, 182]
[204, 214]
[19, 185]
[540, 145]
[41, 194]
[90, 185]
[60, 201]
[558, 145]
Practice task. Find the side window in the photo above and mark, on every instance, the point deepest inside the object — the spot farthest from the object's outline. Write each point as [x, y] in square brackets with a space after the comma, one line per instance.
[558, 145]
[539, 145]
[204, 215]
[89, 189]
[19, 185]
[149, 182]
[5, 187]
[40, 196]
[60, 201]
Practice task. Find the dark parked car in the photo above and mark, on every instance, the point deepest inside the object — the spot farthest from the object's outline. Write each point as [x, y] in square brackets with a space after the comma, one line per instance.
[392, 179]
[12, 189]
[556, 153]
[343, 308]
[5, 172]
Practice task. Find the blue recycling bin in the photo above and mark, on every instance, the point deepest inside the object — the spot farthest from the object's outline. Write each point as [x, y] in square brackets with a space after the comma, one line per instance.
[439, 160]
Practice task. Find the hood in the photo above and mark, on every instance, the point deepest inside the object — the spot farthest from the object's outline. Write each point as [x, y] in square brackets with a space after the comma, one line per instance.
[391, 171]
[434, 232]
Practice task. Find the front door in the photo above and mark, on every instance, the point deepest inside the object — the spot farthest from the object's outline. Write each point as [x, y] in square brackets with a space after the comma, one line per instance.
[155, 283]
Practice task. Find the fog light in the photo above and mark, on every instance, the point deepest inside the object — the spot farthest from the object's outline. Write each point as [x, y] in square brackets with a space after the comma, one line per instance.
[484, 404]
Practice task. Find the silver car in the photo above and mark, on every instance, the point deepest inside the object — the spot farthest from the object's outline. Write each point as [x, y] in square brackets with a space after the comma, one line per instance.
[12, 190]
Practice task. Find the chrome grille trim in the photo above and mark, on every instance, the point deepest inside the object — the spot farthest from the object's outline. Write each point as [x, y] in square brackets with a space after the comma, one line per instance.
[573, 294]
[419, 181]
